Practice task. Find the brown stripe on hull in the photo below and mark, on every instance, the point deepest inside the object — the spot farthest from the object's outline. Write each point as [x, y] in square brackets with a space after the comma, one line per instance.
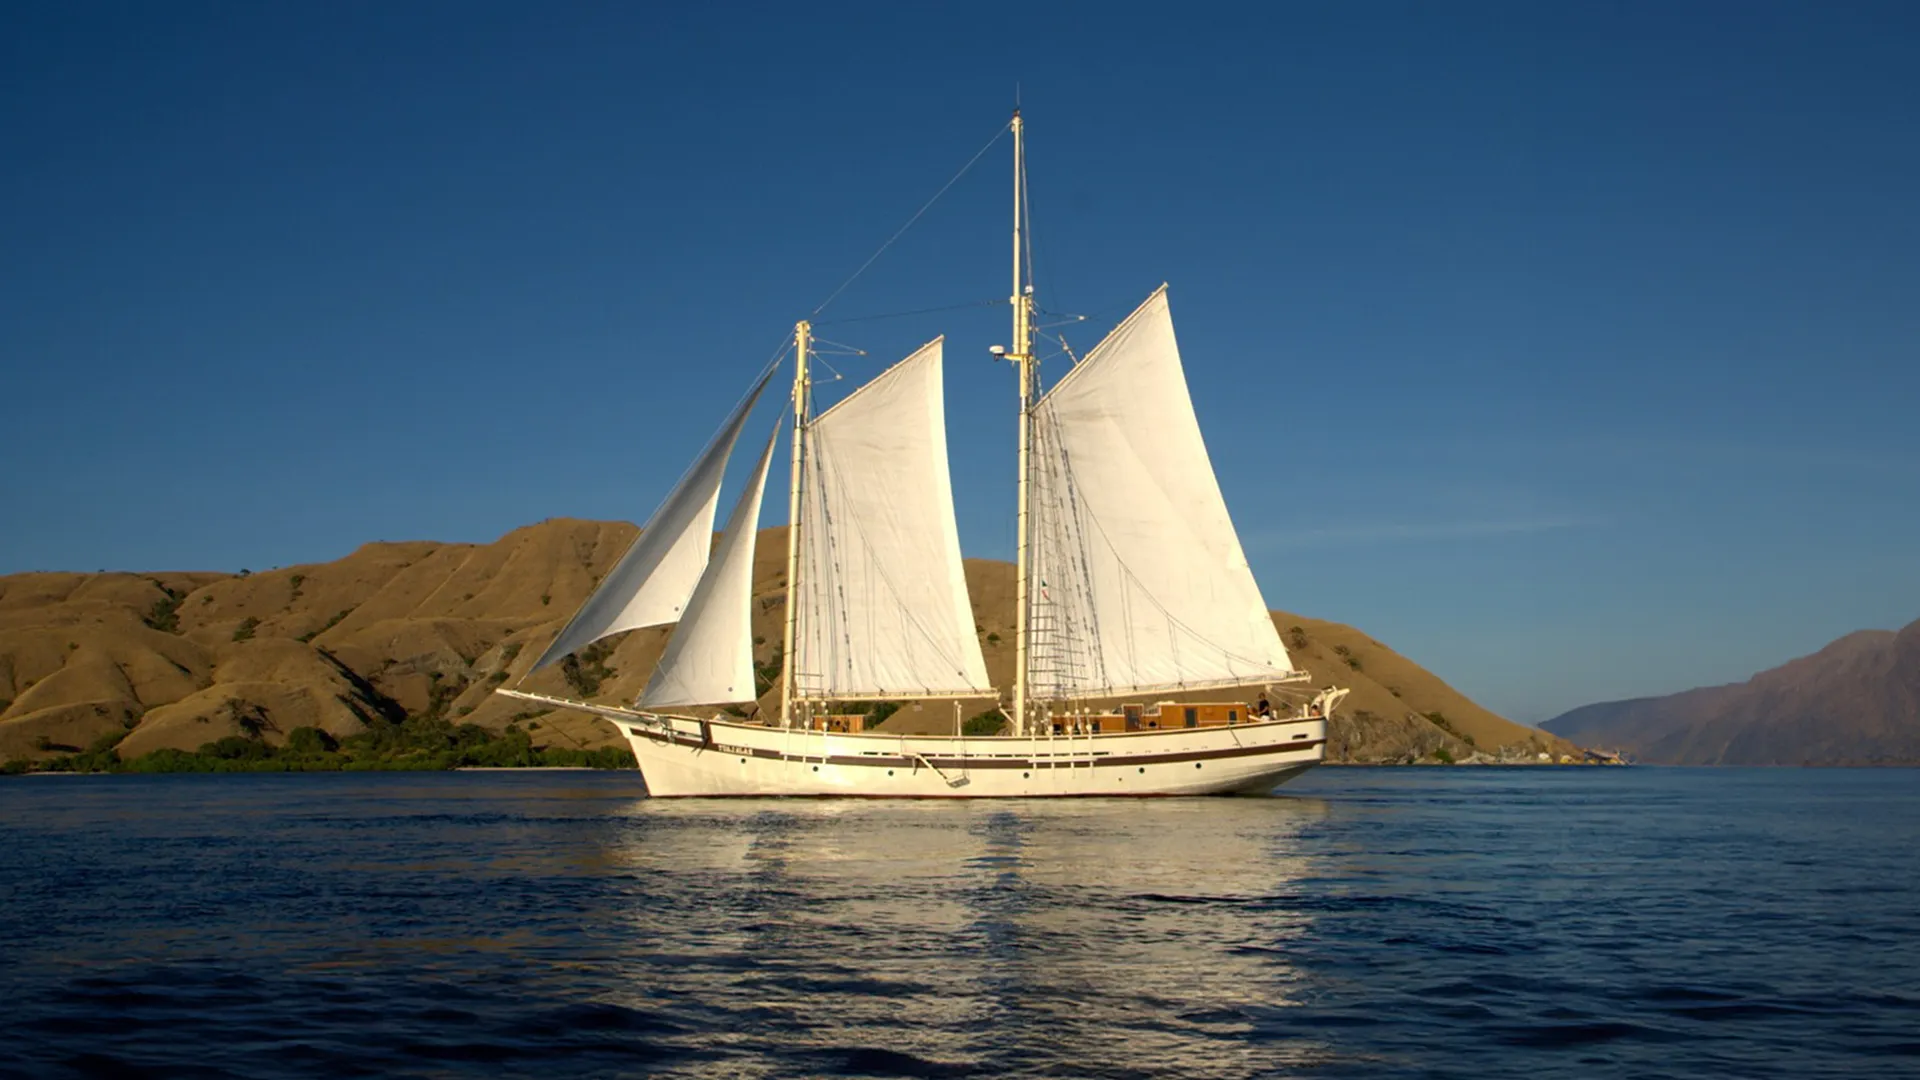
[839, 796]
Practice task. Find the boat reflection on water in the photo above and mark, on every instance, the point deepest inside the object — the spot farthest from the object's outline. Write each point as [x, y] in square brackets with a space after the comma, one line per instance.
[1092, 937]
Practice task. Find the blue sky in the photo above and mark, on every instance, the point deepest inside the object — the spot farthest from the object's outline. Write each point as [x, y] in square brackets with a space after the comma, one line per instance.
[1569, 349]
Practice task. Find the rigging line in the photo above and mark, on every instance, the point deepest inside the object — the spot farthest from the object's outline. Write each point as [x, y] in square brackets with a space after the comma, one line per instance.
[1026, 216]
[1084, 552]
[1105, 313]
[857, 535]
[850, 350]
[1074, 321]
[918, 311]
[917, 214]
[1175, 623]
[878, 573]
[779, 356]
[1064, 347]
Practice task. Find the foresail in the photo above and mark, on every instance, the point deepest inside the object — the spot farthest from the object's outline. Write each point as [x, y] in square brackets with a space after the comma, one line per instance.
[1138, 581]
[882, 597]
[709, 658]
[651, 583]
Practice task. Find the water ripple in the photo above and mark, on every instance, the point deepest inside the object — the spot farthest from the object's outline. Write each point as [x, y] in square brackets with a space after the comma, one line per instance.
[1446, 923]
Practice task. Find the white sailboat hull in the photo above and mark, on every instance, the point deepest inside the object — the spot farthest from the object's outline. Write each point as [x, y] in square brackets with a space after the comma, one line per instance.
[681, 757]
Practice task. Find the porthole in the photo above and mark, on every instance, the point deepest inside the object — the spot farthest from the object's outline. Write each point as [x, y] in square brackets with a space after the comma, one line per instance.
[816, 768]
[889, 772]
[1196, 764]
[743, 761]
[1026, 776]
[1143, 770]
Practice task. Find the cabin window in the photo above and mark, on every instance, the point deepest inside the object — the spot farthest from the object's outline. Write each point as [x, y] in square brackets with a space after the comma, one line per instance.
[1193, 717]
[1096, 727]
[1233, 716]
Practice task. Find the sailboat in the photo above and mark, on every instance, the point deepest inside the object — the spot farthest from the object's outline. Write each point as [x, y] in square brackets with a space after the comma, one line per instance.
[1132, 595]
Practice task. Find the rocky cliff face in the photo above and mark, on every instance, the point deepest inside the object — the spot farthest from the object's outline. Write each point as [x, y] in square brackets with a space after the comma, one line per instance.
[430, 629]
[1855, 702]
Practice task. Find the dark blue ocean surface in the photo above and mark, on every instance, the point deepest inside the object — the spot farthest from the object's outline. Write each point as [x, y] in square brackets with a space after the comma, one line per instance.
[1425, 922]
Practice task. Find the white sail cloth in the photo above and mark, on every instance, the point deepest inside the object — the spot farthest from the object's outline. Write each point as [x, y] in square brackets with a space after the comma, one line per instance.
[709, 658]
[1138, 579]
[651, 583]
[882, 597]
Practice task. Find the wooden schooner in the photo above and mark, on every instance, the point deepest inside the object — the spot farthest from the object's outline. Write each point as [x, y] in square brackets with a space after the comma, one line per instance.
[1131, 585]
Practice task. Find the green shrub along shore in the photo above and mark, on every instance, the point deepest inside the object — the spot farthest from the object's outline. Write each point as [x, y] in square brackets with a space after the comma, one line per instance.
[413, 745]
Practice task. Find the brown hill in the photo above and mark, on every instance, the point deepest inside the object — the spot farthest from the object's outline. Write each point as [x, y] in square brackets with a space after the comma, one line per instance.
[1855, 702]
[431, 629]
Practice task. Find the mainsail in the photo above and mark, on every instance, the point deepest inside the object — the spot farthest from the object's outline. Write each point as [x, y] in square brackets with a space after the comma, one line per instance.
[1138, 581]
[709, 659]
[651, 583]
[881, 597]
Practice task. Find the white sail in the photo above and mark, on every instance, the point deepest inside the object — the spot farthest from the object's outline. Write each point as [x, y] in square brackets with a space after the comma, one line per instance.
[1138, 581]
[881, 598]
[709, 658]
[650, 584]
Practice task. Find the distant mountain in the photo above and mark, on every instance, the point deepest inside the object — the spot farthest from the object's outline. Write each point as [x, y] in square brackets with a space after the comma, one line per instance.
[426, 629]
[1855, 702]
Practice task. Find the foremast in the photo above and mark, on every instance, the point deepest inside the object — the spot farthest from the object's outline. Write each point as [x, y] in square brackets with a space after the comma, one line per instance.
[1022, 356]
[802, 342]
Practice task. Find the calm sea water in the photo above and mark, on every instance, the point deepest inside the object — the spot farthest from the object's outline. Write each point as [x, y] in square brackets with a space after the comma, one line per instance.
[1464, 922]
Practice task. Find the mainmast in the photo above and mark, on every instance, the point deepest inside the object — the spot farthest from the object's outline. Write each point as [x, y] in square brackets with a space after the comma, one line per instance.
[802, 341]
[1022, 355]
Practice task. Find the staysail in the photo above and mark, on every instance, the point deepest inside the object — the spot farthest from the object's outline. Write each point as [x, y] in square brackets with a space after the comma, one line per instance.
[1137, 580]
[709, 658]
[881, 597]
[651, 583]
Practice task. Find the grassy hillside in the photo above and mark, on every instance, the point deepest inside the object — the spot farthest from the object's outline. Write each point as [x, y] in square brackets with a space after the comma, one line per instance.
[426, 630]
